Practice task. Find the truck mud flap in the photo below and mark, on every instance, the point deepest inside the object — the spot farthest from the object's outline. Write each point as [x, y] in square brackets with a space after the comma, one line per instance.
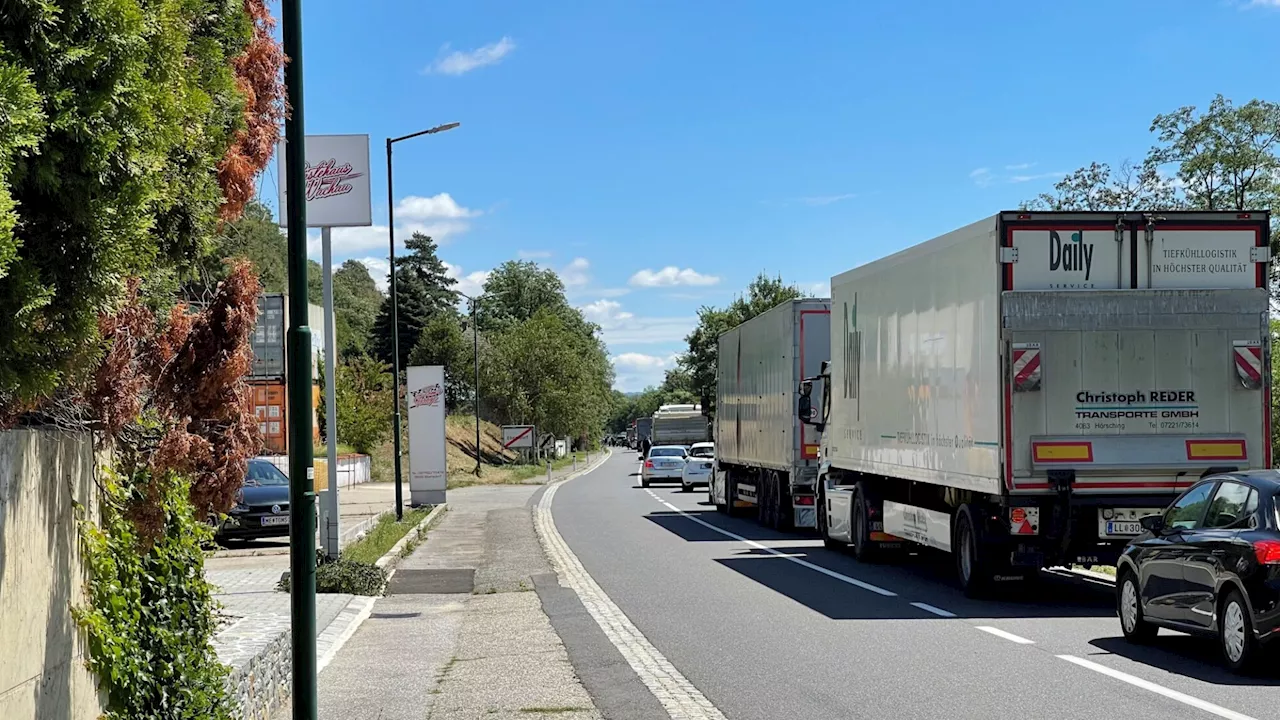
[806, 516]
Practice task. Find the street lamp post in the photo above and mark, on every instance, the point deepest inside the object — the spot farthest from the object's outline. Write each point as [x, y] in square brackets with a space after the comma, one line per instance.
[475, 349]
[395, 314]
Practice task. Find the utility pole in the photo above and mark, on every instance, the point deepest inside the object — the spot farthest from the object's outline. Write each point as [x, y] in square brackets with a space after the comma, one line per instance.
[302, 514]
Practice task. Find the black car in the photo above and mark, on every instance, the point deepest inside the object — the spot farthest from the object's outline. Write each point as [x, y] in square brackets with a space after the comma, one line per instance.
[262, 506]
[1208, 565]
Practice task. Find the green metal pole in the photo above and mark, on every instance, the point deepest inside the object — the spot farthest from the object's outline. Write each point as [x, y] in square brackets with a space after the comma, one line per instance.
[302, 497]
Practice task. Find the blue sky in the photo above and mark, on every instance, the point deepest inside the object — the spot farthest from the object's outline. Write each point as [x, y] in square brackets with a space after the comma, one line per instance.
[659, 154]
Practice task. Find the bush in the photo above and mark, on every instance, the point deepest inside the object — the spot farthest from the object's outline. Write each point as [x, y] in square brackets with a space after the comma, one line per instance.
[150, 617]
[345, 576]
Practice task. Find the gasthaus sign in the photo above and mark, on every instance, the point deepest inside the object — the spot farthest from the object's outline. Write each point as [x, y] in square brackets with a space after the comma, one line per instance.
[338, 190]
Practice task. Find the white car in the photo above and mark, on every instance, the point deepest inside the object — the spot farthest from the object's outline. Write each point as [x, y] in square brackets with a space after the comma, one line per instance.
[664, 462]
[698, 466]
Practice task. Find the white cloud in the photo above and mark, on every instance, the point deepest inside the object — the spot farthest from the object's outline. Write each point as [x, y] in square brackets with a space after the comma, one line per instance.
[1262, 3]
[621, 327]
[981, 176]
[533, 254]
[1037, 176]
[672, 276]
[471, 283]
[1020, 166]
[438, 216]
[441, 205]
[826, 199]
[459, 62]
[576, 273]
[378, 267]
[636, 371]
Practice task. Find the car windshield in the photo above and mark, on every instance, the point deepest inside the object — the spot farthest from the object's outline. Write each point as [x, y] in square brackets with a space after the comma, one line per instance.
[667, 452]
[263, 474]
[702, 452]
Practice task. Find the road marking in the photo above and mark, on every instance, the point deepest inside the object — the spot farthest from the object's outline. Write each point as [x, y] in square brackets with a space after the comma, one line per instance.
[935, 610]
[1006, 635]
[678, 696]
[803, 563]
[1157, 689]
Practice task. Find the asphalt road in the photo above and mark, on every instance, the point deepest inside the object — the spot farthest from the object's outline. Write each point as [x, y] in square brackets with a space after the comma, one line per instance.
[770, 625]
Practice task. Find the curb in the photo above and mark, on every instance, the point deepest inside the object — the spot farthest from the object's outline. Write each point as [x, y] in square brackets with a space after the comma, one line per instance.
[391, 558]
[353, 534]
[600, 460]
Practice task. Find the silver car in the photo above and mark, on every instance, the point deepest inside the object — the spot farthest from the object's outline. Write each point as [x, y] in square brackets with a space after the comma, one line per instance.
[698, 465]
[664, 462]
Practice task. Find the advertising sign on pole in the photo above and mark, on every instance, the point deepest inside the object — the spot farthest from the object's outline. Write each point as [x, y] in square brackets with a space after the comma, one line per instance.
[427, 469]
[517, 437]
[338, 190]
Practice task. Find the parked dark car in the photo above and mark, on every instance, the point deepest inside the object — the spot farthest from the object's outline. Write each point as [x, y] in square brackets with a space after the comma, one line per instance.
[262, 506]
[1208, 565]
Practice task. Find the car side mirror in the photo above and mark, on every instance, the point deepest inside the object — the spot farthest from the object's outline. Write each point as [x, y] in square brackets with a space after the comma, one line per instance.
[1152, 523]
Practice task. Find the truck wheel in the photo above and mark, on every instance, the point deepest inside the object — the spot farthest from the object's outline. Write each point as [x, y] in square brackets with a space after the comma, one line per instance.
[972, 566]
[730, 493]
[821, 520]
[863, 548]
[785, 508]
[764, 499]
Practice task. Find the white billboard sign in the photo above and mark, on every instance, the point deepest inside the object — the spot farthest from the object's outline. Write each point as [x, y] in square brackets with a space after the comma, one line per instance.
[427, 467]
[338, 190]
[515, 437]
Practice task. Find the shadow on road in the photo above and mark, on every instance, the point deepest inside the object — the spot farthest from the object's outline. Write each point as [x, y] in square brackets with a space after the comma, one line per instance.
[1193, 657]
[926, 576]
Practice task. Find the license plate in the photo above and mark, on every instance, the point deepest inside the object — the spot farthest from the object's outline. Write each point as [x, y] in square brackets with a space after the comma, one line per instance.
[1123, 527]
[275, 520]
[1122, 522]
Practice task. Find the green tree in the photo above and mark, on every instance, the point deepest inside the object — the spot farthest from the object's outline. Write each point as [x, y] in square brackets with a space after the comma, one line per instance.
[442, 342]
[699, 361]
[356, 301]
[363, 395]
[115, 116]
[516, 290]
[424, 289]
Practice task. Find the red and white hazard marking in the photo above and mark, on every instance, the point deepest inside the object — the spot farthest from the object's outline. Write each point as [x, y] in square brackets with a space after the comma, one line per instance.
[1248, 360]
[1026, 366]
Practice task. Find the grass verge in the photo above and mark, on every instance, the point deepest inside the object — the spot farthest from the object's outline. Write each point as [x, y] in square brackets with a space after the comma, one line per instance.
[322, 451]
[382, 536]
[510, 474]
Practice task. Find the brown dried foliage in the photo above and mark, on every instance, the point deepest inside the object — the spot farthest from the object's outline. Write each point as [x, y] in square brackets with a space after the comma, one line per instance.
[188, 377]
[258, 75]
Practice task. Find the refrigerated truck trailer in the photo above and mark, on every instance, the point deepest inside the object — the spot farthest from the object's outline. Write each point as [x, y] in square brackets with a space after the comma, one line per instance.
[679, 425]
[766, 459]
[1022, 391]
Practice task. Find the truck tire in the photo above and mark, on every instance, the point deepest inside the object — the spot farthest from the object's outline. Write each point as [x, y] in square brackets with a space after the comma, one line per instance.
[820, 522]
[731, 493]
[864, 549]
[973, 566]
[784, 508]
[765, 499]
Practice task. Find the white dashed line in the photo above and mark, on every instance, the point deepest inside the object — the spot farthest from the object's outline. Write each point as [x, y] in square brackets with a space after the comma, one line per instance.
[1006, 635]
[678, 696]
[935, 610]
[803, 563]
[1157, 689]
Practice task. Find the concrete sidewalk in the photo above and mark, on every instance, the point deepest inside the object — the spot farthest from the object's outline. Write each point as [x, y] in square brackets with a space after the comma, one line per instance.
[461, 633]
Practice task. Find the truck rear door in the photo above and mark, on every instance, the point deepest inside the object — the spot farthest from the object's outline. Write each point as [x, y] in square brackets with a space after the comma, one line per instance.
[1140, 379]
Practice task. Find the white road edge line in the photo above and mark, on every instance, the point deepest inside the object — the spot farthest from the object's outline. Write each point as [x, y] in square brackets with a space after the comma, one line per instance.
[677, 695]
[1157, 689]
[935, 610]
[804, 563]
[1006, 635]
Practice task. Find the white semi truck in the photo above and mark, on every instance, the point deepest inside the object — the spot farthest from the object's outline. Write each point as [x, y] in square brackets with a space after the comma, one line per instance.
[1022, 391]
[765, 458]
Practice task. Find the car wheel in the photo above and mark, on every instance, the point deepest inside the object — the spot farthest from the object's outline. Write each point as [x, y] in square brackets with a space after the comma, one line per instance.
[1235, 633]
[685, 487]
[644, 481]
[1129, 606]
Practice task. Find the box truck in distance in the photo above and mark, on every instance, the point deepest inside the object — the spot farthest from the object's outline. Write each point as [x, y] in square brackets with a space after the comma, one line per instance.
[765, 458]
[1022, 391]
[679, 425]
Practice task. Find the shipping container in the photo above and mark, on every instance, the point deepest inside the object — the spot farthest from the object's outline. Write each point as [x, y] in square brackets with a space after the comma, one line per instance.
[765, 457]
[269, 404]
[270, 336]
[1023, 390]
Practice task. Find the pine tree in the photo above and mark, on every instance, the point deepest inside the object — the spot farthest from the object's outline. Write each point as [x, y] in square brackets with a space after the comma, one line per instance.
[424, 289]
